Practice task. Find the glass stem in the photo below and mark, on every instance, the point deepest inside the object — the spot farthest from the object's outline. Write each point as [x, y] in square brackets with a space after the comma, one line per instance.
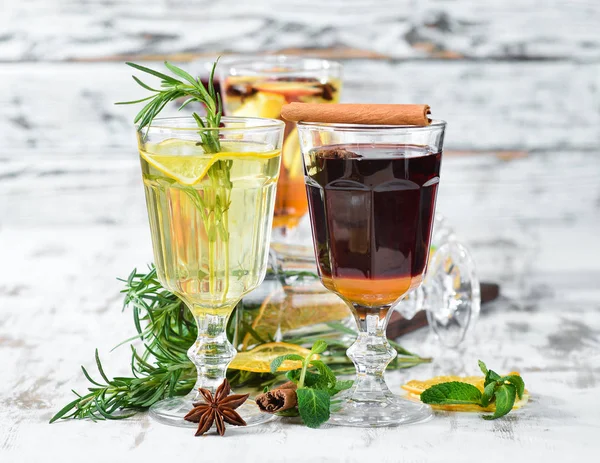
[212, 352]
[371, 352]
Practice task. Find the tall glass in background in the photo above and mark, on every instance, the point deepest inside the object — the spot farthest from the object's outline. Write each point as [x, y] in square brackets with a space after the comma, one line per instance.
[210, 219]
[259, 87]
[372, 194]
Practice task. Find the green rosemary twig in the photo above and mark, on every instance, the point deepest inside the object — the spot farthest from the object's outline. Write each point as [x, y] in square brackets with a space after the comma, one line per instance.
[172, 89]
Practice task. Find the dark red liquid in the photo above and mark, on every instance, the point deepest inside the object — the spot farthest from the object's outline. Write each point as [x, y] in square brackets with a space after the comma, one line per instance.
[372, 210]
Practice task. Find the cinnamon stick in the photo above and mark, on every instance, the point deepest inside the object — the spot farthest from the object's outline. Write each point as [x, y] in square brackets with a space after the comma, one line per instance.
[369, 114]
[278, 399]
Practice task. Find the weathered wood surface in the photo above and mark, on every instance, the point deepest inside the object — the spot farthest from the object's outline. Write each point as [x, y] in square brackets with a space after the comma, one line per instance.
[490, 105]
[97, 29]
[59, 300]
[521, 76]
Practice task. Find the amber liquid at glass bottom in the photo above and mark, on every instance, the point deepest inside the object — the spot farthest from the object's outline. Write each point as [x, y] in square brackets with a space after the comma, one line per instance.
[371, 208]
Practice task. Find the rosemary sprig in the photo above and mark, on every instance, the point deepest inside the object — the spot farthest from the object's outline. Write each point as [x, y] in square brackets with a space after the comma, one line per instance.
[213, 197]
[161, 368]
[172, 89]
[167, 377]
[161, 319]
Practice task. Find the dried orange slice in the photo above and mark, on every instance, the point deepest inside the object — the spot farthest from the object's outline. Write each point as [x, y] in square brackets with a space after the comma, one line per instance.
[416, 387]
[258, 360]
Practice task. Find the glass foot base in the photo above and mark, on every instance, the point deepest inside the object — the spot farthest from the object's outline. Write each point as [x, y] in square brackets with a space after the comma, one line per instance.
[172, 411]
[388, 410]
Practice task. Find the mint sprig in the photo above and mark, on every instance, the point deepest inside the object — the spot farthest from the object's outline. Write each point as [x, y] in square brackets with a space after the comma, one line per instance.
[501, 390]
[316, 384]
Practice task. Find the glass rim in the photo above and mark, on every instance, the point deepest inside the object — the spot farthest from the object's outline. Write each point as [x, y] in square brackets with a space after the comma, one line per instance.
[246, 65]
[436, 124]
[170, 123]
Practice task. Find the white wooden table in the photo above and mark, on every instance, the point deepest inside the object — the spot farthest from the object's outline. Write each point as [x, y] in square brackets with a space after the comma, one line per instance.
[60, 300]
[72, 214]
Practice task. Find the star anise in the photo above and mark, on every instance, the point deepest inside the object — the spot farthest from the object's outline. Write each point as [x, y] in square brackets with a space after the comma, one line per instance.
[219, 409]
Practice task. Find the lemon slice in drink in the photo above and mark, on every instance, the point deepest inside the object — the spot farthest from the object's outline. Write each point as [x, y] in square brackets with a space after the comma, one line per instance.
[187, 170]
[258, 360]
[182, 160]
[188, 164]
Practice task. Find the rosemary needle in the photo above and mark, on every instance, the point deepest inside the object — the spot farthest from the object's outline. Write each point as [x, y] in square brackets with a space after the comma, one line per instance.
[171, 89]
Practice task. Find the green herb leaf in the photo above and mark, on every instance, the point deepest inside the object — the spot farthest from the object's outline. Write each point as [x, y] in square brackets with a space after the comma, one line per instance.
[328, 378]
[517, 382]
[172, 89]
[341, 386]
[310, 379]
[453, 392]
[275, 364]
[160, 75]
[180, 72]
[505, 399]
[313, 406]
[491, 376]
[319, 347]
[67, 408]
[488, 394]
[482, 367]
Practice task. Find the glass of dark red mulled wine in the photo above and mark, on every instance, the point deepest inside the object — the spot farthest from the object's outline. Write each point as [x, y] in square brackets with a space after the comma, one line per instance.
[372, 193]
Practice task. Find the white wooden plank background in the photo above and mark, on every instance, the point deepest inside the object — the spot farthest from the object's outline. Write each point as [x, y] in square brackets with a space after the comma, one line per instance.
[97, 29]
[489, 105]
[519, 83]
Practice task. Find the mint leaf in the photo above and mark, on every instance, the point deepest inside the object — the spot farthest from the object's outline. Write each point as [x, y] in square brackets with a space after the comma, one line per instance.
[328, 376]
[453, 392]
[482, 367]
[293, 375]
[517, 382]
[275, 364]
[313, 405]
[310, 379]
[491, 376]
[488, 394]
[505, 399]
[341, 386]
[319, 347]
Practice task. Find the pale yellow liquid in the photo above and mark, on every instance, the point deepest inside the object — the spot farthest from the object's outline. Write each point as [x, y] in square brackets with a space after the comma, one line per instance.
[206, 252]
